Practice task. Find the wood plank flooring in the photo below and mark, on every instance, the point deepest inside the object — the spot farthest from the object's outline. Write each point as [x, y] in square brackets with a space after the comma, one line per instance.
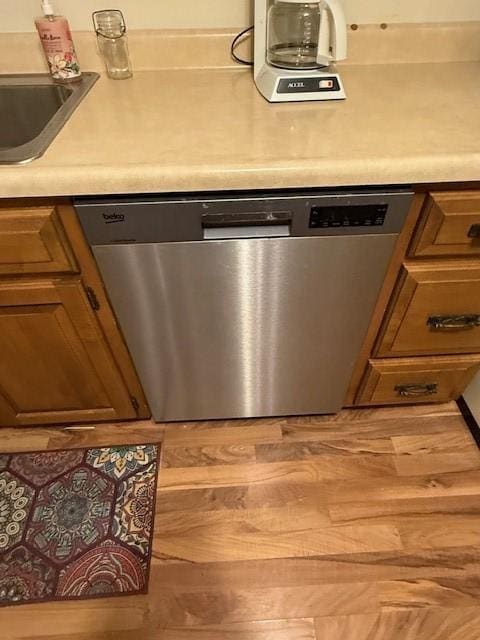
[361, 526]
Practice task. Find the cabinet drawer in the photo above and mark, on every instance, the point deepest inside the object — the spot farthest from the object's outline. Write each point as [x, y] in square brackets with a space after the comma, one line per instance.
[451, 227]
[436, 311]
[33, 241]
[410, 380]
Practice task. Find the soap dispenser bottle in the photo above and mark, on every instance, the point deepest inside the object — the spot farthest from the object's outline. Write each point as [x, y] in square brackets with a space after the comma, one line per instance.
[57, 42]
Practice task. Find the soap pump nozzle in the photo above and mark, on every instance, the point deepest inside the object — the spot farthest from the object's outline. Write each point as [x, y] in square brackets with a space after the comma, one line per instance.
[47, 8]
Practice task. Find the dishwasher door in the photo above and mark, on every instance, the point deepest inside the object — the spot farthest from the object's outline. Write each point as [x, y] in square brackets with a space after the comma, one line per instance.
[231, 328]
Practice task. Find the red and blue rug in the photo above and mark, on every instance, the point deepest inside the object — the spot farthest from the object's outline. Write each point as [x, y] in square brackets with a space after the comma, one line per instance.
[76, 523]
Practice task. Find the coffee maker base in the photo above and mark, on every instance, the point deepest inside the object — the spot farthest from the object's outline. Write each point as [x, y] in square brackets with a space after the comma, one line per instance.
[278, 85]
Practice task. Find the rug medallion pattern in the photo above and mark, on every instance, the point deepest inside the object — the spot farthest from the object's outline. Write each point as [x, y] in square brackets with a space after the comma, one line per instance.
[76, 523]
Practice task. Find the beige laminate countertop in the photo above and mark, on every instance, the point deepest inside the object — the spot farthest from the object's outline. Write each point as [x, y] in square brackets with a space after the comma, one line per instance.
[187, 130]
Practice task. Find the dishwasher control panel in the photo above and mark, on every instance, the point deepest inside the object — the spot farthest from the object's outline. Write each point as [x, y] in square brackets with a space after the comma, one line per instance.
[147, 219]
[328, 217]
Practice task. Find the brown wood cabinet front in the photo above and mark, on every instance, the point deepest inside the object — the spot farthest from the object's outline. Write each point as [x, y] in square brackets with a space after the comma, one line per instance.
[32, 241]
[417, 380]
[55, 364]
[436, 311]
[451, 225]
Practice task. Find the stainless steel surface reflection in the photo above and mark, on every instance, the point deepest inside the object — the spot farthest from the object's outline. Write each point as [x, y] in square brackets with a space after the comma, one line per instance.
[33, 109]
[240, 328]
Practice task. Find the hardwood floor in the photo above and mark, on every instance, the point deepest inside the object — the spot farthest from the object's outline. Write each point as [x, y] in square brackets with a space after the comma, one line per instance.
[362, 526]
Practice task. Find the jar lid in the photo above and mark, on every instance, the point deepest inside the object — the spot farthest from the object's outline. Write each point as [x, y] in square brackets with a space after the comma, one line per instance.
[109, 23]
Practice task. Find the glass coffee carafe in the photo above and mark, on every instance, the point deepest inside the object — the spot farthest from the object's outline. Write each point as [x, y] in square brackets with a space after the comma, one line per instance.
[293, 34]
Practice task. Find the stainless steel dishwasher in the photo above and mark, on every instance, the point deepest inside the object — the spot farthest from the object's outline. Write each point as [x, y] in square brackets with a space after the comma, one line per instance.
[244, 305]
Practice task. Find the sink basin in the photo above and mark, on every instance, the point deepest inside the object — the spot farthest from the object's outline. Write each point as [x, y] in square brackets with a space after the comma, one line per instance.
[33, 109]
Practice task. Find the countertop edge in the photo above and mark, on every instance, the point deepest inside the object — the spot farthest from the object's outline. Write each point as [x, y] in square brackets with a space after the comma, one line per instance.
[147, 178]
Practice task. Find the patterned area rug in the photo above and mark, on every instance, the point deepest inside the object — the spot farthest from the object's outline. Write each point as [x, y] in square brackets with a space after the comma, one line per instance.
[76, 523]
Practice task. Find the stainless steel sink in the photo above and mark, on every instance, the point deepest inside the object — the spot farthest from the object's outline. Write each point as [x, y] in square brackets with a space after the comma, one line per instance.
[33, 109]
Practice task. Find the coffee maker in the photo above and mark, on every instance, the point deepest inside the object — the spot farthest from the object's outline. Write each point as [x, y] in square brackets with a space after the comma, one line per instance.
[295, 44]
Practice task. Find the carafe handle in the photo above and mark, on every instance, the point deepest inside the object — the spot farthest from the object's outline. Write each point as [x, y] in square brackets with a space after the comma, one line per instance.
[332, 41]
[324, 56]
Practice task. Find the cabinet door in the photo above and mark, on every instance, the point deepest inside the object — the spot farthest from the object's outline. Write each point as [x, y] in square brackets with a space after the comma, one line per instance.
[55, 365]
[32, 241]
[436, 311]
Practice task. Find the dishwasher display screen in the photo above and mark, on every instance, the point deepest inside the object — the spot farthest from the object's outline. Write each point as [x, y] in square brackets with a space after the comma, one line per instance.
[365, 215]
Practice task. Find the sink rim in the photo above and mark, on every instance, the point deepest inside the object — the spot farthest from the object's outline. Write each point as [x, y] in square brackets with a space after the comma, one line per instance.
[37, 146]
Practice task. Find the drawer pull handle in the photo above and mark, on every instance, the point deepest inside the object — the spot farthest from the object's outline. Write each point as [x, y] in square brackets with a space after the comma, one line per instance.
[416, 390]
[474, 231]
[454, 322]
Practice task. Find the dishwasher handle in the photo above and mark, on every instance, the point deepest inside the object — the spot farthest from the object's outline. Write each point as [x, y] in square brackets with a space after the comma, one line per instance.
[263, 224]
[238, 233]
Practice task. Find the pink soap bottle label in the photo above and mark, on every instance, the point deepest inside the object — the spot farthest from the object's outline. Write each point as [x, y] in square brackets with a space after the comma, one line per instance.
[57, 43]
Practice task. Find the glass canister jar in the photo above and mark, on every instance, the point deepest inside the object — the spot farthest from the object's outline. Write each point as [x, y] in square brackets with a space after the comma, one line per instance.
[293, 34]
[112, 42]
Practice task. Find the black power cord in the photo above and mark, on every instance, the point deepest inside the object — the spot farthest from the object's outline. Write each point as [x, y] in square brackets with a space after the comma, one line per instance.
[235, 43]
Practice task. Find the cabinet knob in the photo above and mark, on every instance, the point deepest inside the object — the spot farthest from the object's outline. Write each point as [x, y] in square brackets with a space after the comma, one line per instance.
[474, 231]
[466, 321]
[416, 390]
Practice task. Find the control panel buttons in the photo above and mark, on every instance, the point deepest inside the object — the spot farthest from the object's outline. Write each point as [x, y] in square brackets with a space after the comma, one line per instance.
[308, 84]
[348, 216]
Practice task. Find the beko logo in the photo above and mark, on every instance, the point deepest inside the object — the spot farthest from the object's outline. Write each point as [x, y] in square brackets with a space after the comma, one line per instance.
[112, 218]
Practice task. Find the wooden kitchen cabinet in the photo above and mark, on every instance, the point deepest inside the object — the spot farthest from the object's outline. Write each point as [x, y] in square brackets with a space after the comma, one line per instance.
[436, 311]
[451, 225]
[427, 347]
[62, 356]
[32, 241]
[417, 380]
[55, 365]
